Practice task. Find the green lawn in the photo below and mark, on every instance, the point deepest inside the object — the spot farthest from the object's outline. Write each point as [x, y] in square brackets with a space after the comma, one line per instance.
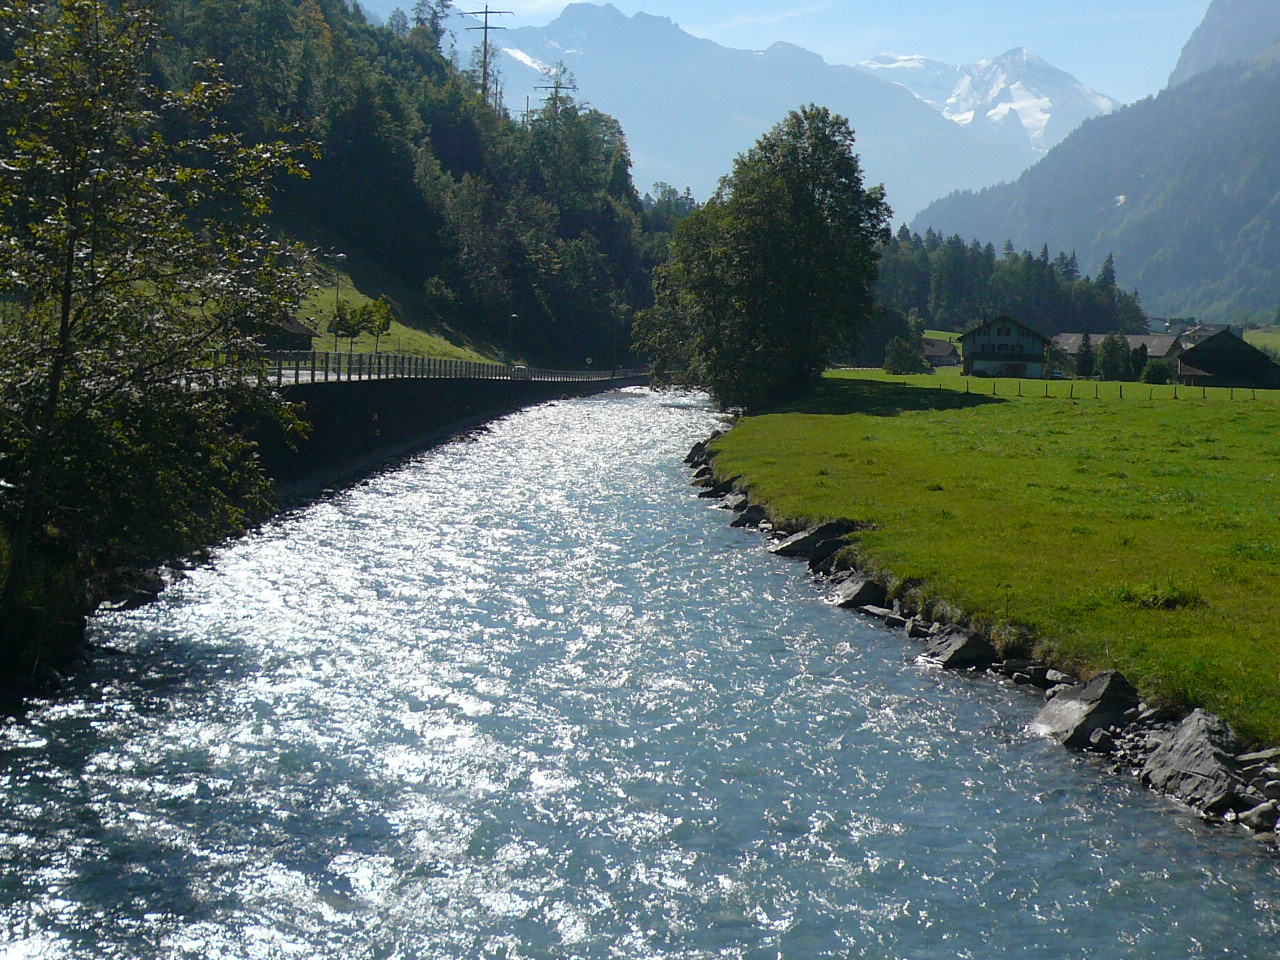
[317, 309]
[1138, 533]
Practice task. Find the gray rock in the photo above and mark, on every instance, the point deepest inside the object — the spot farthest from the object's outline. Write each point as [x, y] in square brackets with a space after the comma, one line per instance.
[1055, 677]
[737, 502]
[919, 629]
[753, 516]
[1271, 789]
[1197, 764]
[858, 592]
[1260, 759]
[957, 649]
[875, 610]
[1101, 741]
[822, 556]
[1073, 714]
[704, 476]
[802, 544]
[895, 621]
[1262, 818]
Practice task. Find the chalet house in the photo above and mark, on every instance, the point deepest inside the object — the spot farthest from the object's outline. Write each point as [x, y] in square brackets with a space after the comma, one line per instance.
[1004, 348]
[1164, 346]
[285, 334]
[1225, 360]
[941, 353]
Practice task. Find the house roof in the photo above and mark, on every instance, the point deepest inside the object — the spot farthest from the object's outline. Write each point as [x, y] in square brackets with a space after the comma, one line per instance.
[983, 326]
[933, 347]
[296, 327]
[1158, 346]
[1226, 356]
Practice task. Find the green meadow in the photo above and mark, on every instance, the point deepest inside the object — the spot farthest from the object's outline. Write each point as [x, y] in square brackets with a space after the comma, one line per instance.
[1139, 533]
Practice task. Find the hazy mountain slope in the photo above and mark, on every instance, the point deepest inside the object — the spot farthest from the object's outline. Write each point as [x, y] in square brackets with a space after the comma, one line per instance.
[1232, 32]
[1184, 188]
[1018, 93]
[689, 106]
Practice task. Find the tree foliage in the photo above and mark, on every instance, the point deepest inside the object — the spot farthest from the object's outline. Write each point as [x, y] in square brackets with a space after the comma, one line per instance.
[775, 270]
[475, 215]
[137, 267]
[952, 284]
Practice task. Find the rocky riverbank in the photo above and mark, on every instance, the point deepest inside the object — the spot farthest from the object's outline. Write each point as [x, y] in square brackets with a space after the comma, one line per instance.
[1192, 757]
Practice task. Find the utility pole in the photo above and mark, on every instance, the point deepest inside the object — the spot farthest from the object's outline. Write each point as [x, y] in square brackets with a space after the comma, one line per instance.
[484, 57]
[557, 86]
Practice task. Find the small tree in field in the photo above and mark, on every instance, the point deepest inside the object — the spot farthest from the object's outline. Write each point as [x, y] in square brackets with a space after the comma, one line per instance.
[135, 255]
[775, 271]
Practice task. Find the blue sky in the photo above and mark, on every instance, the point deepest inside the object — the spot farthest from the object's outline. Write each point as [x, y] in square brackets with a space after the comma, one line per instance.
[1123, 48]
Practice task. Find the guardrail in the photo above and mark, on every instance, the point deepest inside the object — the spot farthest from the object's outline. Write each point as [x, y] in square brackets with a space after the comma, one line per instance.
[290, 367]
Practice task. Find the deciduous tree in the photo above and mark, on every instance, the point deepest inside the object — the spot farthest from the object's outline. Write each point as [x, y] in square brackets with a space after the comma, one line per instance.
[768, 277]
[137, 265]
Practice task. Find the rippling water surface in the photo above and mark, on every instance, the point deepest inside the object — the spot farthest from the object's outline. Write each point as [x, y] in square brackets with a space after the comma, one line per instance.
[526, 697]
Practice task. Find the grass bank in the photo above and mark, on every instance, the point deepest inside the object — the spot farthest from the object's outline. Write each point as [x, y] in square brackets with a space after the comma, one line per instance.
[1140, 534]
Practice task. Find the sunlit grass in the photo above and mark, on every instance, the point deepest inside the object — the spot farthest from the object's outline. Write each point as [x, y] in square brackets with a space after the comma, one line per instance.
[1138, 533]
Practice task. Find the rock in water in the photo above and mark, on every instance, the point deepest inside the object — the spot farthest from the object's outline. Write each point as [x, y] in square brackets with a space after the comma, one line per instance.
[1197, 764]
[1073, 715]
[753, 516]
[858, 592]
[958, 649]
[802, 544]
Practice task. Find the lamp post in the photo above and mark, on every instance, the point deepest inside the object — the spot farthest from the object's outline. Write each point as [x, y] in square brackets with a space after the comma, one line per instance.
[511, 350]
[337, 296]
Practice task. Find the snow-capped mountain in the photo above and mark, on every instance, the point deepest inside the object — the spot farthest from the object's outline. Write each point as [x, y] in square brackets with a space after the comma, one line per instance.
[1018, 93]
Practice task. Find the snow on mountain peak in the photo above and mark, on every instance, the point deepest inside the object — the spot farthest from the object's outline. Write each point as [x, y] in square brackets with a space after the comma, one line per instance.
[1017, 93]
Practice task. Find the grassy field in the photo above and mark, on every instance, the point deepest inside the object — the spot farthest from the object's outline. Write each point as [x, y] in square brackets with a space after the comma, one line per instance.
[317, 309]
[1138, 533]
[1266, 337]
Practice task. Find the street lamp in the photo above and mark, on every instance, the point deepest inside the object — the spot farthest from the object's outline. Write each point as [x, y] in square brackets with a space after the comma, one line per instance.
[337, 296]
[511, 350]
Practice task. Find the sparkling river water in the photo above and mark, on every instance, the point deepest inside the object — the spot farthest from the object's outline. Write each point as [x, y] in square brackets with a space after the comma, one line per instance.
[524, 696]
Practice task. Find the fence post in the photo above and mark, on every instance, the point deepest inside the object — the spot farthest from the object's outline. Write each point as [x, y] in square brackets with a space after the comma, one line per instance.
[1122, 391]
[1095, 389]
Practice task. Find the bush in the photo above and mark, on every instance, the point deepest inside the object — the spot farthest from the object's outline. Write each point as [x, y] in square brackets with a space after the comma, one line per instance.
[1156, 371]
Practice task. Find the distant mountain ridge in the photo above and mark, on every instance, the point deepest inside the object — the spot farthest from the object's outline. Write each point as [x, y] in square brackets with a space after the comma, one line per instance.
[1018, 93]
[1232, 32]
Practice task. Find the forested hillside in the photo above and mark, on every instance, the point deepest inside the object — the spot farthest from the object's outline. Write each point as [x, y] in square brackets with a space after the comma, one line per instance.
[950, 284]
[466, 216]
[1184, 188]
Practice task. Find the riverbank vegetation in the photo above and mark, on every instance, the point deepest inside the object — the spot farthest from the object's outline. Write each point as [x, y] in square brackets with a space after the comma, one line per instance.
[1134, 533]
[774, 272]
[139, 269]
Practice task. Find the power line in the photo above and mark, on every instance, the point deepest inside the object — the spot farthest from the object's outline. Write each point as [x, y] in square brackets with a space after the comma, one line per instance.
[484, 57]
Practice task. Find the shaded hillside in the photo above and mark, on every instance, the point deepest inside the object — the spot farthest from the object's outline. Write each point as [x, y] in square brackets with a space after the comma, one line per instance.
[1183, 188]
[530, 232]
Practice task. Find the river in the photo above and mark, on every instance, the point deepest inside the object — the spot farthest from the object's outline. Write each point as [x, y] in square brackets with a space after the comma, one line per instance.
[525, 696]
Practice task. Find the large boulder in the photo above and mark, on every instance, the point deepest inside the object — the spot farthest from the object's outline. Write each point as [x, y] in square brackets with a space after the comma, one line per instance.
[1073, 715]
[858, 592]
[958, 649]
[804, 542]
[752, 516]
[1197, 764]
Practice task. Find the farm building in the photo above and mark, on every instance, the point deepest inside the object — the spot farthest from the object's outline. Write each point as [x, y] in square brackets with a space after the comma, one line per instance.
[1164, 346]
[1004, 348]
[1225, 360]
[941, 353]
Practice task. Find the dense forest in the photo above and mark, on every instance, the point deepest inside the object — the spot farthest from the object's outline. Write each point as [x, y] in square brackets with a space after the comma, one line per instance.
[480, 223]
[950, 285]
